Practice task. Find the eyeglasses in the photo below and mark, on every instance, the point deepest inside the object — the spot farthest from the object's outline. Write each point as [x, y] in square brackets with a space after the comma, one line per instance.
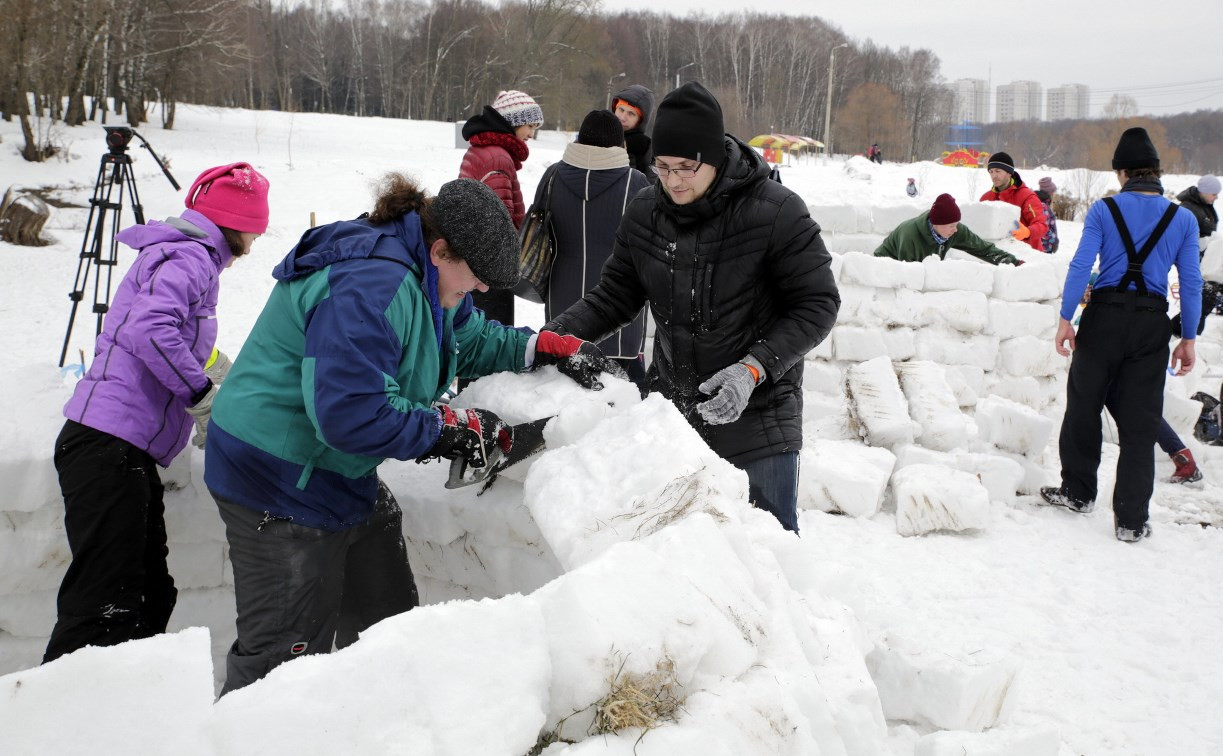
[663, 171]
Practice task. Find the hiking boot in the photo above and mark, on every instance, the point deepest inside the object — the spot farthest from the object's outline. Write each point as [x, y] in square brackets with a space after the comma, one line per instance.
[1133, 536]
[1186, 469]
[1057, 496]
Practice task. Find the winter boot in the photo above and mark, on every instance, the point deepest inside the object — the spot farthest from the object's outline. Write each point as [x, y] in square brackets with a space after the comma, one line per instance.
[1057, 496]
[1186, 469]
[1133, 536]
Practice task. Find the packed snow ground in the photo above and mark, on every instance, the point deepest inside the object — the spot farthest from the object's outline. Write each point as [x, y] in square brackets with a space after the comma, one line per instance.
[627, 552]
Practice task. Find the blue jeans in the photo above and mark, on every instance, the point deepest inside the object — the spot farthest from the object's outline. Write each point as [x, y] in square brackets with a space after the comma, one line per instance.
[773, 486]
[1168, 440]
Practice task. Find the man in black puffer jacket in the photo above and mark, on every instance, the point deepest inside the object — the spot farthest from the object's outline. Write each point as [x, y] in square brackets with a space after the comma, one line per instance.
[1200, 200]
[740, 287]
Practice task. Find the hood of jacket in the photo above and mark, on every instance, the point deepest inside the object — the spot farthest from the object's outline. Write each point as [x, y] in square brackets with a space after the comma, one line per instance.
[742, 168]
[588, 172]
[323, 246]
[486, 120]
[639, 97]
[190, 226]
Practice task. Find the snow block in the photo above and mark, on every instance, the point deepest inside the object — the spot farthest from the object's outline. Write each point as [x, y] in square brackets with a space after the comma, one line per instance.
[901, 343]
[843, 243]
[911, 309]
[882, 272]
[888, 217]
[857, 344]
[842, 219]
[966, 311]
[821, 376]
[956, 348]
[1002, 476]
[946, 688]
[1026, 284]
[857, 304]
[844, 477]
[97, 699]
[998, 742]
[1012, 426]
[1181, 413]
[1212, 260]
[1029, 356]
[958, 275]
[827, 416]
[933, 406]
[931, 497]
[989, 220]
[1008, 320]
[1025, 390]
[967, 383]
[878, 404]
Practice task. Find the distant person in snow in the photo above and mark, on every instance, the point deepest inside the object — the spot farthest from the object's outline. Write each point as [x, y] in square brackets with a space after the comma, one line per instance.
[1049, 243]
[591, 187]
[1121, 348]
[739, 284]
[934, 232]
[1199, 200]
[1008, 186]
[632, 106]
[154, 374]
[368, 323]
[498, 136]
[911, 188]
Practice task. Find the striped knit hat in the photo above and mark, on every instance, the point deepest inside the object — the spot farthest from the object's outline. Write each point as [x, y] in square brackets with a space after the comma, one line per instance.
[518, 108]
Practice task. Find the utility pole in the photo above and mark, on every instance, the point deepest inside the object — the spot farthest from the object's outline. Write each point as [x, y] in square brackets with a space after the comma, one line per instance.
[832, 57]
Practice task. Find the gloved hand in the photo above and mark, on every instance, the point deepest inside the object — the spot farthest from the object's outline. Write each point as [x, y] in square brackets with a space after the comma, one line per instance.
[580, 360]
[217, 366]
[473, 434]
[733, 386]
[200, 412]
[1021, 231]
[1018, 263]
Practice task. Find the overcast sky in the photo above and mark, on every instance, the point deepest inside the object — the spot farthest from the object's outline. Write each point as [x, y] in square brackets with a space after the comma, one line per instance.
[1167, 56]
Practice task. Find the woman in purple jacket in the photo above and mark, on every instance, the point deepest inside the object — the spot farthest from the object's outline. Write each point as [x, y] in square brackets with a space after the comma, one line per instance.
[134, 409]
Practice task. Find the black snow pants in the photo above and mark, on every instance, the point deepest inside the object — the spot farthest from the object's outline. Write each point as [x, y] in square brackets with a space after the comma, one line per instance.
[117, 587]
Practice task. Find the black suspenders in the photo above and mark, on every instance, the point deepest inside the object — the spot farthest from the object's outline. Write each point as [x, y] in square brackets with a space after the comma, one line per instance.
[1133, 273]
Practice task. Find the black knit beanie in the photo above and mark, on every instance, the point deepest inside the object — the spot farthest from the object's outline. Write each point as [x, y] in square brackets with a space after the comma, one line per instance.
[1135, 150]
[1003, 161]
[601, 128]
[689, 125]
[474, 222]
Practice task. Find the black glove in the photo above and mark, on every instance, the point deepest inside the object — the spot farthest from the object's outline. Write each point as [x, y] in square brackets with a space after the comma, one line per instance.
[476, 435]
[580, 360]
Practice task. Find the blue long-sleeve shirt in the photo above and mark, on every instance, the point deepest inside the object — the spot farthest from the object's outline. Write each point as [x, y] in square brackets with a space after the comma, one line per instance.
[1101, 239]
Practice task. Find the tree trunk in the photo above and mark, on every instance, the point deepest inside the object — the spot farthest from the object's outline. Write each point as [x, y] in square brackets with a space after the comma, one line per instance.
[22, 217]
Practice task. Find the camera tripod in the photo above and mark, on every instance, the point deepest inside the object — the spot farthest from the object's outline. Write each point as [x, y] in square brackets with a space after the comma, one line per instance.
[98, 248]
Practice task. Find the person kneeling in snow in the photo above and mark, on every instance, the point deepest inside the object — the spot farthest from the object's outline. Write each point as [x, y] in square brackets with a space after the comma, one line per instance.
[367, 326]
[740, 287]
[934, 232]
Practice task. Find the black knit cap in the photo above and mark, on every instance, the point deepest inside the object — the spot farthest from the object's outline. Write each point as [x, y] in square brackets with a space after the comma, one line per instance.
[474, 222]
[689, 125]
[1003, 161]
[601, 128]
[1135, 150]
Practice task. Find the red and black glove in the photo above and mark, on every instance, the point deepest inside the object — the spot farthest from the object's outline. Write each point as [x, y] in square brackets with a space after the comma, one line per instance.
[473, 434]
[580, 360]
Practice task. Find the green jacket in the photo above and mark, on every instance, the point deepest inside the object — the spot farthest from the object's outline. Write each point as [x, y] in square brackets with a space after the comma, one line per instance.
[912, 241]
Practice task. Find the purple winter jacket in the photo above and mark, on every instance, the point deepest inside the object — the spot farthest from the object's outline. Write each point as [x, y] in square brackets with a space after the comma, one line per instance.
[161, 328]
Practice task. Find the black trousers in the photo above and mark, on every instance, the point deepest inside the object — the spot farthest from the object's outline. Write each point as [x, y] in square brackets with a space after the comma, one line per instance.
[117, 587]
[299, 590]
[1120, 360]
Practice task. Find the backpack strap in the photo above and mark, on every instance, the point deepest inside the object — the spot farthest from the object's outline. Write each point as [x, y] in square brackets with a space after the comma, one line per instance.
[1133, 271]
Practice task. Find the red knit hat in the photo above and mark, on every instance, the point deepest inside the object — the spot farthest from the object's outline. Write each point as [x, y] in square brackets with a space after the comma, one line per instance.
[944, 210]
[233, 196]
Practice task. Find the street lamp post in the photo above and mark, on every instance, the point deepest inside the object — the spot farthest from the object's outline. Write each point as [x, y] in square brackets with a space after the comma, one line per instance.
[681, 68]
[832, 56]
[609, 83]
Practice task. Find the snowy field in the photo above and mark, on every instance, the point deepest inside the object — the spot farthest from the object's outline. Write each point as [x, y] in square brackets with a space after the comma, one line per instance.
[930, 607]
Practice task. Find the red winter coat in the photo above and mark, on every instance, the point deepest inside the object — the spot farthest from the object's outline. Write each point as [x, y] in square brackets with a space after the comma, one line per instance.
[493, 165]
[1031, 210]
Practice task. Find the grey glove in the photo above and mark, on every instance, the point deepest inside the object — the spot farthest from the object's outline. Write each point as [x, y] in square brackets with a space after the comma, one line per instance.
[217, 366]
[200, 412]
[730, 388]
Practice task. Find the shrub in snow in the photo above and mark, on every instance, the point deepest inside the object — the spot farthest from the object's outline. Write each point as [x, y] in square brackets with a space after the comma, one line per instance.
[932, 497]
[1012, 426]
[958, 275]
[947, 688]
[844, 477]
[933, 406]
[881, 272]
[877, 404]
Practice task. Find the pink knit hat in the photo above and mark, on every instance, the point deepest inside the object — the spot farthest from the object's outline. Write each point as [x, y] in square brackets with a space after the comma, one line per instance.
[234, 196]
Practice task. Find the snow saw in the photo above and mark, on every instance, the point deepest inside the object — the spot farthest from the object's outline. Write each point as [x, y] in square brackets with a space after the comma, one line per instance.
[528, 440]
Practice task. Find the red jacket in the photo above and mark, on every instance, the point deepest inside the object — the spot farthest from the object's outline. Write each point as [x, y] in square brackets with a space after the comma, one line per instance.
[492, 165]
[1031, 210]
